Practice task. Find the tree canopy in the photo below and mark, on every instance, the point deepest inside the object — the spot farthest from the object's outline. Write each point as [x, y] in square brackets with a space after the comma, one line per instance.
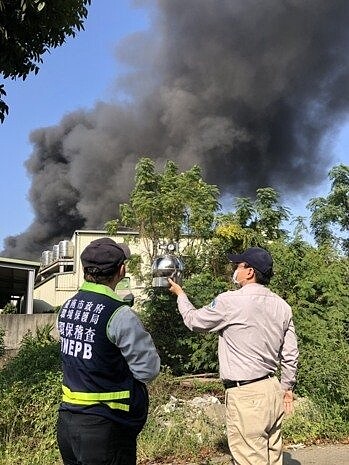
[330, 214]
[170, 204]
[28, 29]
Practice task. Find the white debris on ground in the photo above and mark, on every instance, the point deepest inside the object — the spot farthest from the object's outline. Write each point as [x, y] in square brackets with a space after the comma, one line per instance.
[300, 445]
[199, 403]
[207, 405]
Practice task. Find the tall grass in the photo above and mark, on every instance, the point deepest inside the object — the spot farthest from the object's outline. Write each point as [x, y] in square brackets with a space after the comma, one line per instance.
[30, 393]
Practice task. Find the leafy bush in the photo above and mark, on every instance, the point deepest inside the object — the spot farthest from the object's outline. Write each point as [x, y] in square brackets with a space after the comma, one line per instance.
[162, 319]
[311, 422]
[315, 283]
[31, 362]
[30, 386]
[9, 308]
[181, 349]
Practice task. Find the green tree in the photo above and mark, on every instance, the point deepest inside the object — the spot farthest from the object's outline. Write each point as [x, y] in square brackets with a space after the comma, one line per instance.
[256, 221]
[264, 215]
[28, 29]
[330, 215]
[270, 214]
[314, 281]
[245, 211]
[170, 205]
[252, 223]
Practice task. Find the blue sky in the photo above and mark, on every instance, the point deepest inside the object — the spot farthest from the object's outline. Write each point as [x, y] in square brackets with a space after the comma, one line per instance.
[74, 76]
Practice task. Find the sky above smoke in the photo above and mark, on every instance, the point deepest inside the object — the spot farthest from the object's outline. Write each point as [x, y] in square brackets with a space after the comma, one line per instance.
[247, 89]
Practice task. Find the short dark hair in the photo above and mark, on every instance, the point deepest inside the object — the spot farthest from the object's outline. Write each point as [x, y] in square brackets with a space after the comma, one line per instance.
[261, 278]
[94, 275]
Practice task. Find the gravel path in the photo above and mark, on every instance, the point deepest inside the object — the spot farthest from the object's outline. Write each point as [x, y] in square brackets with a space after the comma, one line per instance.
[334, 454]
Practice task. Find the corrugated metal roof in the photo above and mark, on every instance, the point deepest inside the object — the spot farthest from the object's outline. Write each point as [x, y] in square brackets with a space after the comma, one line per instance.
[16, 261]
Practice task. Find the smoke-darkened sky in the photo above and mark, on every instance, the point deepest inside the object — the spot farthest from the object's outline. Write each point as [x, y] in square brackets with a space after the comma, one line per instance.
[248, 90]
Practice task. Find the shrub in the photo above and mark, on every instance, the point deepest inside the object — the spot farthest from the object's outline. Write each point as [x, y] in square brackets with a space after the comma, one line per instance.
[9, 308]
[181, 349]
[311, 422]
[30, 386]
[315, 283]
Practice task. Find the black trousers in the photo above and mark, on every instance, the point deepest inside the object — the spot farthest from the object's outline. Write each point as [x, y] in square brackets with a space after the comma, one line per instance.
[94, 440]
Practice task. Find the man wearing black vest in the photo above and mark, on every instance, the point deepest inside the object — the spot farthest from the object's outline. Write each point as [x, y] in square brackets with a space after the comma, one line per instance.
[107, 359]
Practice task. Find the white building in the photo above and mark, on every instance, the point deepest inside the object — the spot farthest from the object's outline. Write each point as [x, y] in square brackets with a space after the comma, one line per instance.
[61, 273]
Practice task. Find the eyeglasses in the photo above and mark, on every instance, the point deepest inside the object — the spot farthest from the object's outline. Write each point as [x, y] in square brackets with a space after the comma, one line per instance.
[243, 265]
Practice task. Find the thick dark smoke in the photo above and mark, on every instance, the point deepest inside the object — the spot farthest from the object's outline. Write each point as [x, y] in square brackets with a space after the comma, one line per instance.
[246, 88]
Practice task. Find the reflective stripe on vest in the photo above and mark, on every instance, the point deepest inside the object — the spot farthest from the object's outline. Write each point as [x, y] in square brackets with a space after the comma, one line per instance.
[93, 398]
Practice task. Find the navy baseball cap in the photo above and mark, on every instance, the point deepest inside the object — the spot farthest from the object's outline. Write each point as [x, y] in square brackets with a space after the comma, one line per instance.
[257, 257]
[104, 254]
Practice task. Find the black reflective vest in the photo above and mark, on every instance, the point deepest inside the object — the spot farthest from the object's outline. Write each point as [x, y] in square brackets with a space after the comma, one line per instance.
[96, 377]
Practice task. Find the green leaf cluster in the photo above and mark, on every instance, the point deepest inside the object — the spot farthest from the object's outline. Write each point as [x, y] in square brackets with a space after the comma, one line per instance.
[310, 422]
[330, 215]
[30, 389]
[9, 308]
[264, 215]
[315, 283]
[170, 204]
[29, 29]
[181, 349]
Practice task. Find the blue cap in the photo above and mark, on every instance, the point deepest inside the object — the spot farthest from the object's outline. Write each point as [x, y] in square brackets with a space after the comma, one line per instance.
[256, 257]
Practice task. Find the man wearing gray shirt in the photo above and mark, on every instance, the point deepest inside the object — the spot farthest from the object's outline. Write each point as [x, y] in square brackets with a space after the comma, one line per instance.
[256, 335]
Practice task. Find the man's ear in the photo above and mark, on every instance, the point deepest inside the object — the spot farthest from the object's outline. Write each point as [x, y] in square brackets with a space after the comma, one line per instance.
[251, 273]
[122, 271]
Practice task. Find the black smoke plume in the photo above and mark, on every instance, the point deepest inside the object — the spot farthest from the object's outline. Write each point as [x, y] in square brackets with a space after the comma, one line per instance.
[248, 89]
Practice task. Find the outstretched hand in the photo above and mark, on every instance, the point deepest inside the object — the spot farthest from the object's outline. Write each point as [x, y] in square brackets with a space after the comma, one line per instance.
[174, 287]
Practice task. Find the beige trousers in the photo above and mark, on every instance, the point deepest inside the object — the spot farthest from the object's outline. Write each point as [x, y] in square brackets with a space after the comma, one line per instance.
[254, 414]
